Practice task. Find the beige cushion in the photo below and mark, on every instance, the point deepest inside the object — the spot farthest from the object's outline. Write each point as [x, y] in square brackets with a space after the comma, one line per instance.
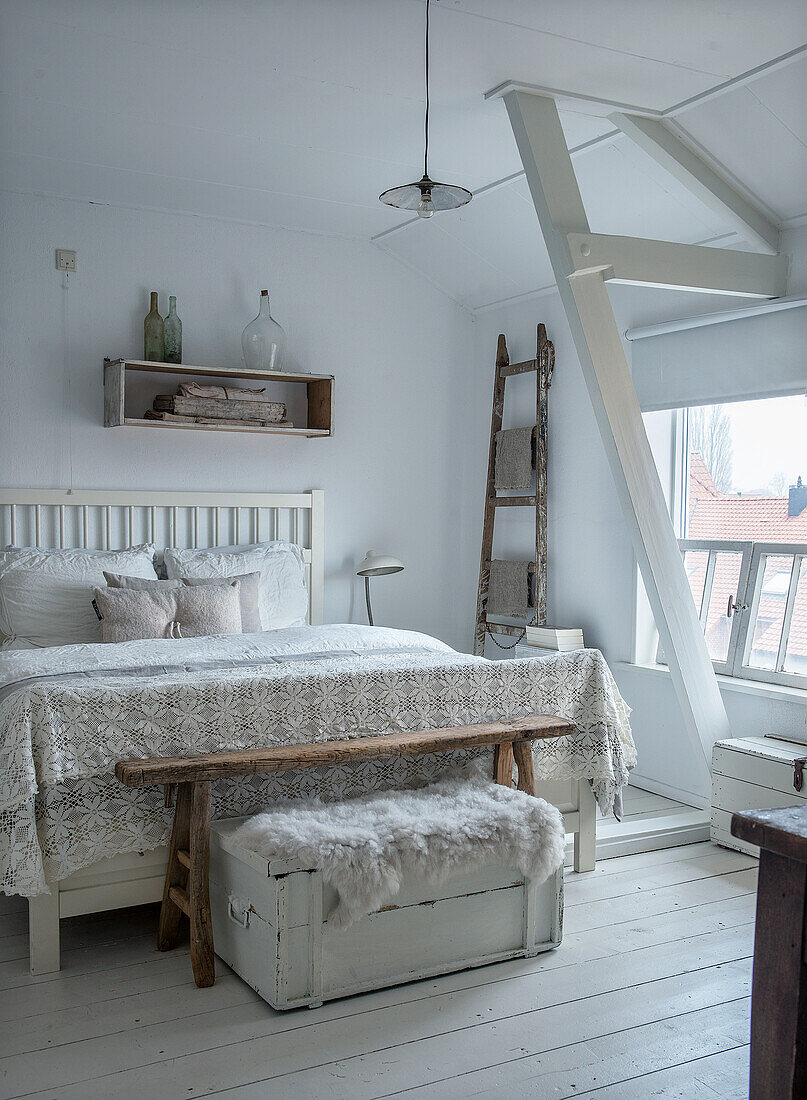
[249, 592]
[140, 584]
[185, 612]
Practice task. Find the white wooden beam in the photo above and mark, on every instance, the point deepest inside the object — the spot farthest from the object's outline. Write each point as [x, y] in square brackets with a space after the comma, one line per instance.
[576, 102]
[687, 167]
[547, 165]
[643, 262]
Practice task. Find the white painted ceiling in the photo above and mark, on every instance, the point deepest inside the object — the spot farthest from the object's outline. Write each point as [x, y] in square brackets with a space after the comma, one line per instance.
[299, 112]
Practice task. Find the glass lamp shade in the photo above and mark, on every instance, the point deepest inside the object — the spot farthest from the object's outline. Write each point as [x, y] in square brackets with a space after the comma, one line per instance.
[425, 197]
[377, 565]
[263, 341]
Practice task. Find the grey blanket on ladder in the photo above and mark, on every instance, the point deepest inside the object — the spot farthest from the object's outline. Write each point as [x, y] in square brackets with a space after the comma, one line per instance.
[509, 588]
[514, 459]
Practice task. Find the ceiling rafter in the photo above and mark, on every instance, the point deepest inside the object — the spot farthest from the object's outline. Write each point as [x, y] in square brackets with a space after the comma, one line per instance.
[655, 139]
[592, 105]
[664, 264]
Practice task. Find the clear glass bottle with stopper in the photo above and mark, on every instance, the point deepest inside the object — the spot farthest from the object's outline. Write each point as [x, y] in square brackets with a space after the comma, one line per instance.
[173, 333]
[263, 341]
[153, 333]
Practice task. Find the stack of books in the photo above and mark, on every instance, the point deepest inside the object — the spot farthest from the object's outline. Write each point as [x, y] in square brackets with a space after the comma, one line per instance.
[560, 639]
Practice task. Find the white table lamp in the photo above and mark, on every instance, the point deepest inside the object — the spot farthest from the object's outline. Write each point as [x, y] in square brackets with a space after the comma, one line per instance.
[376, 565]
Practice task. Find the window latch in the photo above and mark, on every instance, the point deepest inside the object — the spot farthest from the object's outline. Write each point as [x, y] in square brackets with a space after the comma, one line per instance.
[735, 606]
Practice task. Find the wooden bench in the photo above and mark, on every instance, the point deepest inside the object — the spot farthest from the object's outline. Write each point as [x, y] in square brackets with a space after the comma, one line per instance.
[187, 889]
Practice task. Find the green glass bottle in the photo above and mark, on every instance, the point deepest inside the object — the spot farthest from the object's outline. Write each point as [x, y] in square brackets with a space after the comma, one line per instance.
[153, 333]
[173, 333]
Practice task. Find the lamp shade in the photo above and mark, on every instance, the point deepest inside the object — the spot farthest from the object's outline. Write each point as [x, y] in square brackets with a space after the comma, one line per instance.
[376, 565]
[426, 196]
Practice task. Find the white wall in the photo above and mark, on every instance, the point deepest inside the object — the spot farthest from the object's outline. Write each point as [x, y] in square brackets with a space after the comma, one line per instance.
[592, 568]
[395, 472]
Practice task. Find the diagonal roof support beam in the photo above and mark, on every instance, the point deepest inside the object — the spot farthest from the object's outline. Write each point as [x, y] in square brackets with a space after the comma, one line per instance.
[556, 196]
[658, 141]
[670, 266]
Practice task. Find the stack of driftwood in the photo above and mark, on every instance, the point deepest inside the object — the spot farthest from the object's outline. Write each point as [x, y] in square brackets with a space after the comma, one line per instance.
[224, 405]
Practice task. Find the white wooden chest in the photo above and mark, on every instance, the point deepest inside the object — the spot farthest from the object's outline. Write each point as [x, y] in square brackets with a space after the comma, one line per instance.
[270, 924]
[752, 773]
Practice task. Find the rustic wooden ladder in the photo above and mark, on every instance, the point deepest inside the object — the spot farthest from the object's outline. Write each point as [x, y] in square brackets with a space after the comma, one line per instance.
[543, 365]
[187, 882]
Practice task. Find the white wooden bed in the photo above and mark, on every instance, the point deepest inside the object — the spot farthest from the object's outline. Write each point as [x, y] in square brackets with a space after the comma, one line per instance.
[101, 519]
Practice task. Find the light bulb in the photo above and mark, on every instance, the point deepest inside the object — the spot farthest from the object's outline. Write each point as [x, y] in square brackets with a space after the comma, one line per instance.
[425, 206]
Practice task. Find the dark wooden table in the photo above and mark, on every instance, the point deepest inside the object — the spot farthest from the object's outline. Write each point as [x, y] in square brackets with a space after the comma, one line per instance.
[779, 995]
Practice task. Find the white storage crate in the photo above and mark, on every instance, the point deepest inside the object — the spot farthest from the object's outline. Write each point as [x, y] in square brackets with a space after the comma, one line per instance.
[270, 924]
[752, 773]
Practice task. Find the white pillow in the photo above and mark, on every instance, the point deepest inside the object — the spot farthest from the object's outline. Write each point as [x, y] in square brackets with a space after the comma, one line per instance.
[283, 597]
[46, 595]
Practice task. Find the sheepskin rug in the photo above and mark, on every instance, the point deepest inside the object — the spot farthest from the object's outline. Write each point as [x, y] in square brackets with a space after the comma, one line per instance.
[366, 847]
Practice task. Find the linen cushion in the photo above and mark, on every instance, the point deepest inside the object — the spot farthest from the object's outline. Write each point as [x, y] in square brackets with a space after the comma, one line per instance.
[45, 595]
[249, 592]
[187, 612]
[283, 599]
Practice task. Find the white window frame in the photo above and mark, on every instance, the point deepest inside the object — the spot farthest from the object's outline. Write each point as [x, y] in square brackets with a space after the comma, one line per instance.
[752, 572]
[743, 611]
[679, 487]
[762, 551]
[736, 613]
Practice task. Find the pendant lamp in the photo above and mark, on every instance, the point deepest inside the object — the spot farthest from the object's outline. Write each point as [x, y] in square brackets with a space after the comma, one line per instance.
[426, 196]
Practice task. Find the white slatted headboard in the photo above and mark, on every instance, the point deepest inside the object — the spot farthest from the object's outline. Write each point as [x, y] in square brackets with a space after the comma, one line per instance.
[103, 520]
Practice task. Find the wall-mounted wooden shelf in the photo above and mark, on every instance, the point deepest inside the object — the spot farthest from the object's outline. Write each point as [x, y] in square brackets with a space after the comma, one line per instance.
[319, 388]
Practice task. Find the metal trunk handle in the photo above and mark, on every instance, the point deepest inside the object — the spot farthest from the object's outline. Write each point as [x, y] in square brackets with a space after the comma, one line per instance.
[238, 910]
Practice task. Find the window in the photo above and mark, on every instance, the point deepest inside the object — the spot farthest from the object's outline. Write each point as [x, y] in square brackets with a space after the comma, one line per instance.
[744, 544]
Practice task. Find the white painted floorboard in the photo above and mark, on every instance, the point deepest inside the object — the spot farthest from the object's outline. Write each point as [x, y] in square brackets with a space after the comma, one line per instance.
[648, 996]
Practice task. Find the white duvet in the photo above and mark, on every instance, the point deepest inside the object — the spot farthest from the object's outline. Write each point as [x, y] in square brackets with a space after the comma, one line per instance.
[334, 638]
[68, 714]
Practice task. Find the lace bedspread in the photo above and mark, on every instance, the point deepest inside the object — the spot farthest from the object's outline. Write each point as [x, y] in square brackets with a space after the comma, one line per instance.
[68, 714]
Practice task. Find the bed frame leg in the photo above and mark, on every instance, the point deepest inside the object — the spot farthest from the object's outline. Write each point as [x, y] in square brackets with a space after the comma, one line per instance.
[43, 931]
[585, 840]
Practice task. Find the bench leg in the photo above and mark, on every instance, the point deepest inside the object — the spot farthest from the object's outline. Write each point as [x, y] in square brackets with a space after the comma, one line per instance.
[187, 881]
[176, 874]
[202, 955]
[503, 764]
[522, 751]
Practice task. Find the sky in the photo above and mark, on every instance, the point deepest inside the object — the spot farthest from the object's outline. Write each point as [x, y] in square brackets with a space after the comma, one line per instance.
[769, 437]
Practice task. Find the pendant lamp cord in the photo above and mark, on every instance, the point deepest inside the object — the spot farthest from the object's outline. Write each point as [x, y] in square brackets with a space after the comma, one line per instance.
[426, 154]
